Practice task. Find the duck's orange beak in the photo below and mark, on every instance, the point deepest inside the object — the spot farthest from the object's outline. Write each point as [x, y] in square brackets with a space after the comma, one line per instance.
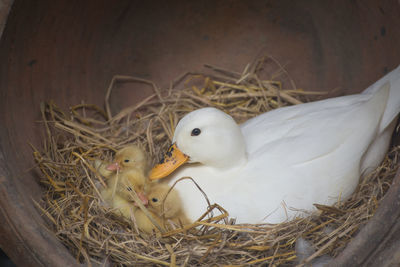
[173, 158]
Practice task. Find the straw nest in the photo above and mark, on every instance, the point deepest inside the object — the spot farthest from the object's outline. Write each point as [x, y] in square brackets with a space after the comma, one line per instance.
[73, 207]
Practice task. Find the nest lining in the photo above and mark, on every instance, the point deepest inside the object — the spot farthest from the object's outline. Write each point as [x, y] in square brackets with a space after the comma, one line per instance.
[73, 206]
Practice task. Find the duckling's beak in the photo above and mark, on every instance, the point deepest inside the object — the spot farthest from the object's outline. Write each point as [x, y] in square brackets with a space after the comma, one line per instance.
[143, 198]
[113, 166]
[173, 158]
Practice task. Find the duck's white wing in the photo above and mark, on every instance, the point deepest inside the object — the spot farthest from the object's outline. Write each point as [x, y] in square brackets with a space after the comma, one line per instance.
[301, 133]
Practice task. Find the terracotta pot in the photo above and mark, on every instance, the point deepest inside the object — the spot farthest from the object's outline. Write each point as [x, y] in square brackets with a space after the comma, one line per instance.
[69, 50]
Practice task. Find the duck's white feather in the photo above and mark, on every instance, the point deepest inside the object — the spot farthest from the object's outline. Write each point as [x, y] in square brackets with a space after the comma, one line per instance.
[295, 156]
[393, 105]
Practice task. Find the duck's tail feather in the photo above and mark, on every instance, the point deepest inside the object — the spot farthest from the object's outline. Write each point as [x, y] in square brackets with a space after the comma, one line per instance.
[392, 79]
[389, 85]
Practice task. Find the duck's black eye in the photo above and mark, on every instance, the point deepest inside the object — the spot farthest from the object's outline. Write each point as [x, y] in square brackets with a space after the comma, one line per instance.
[126, 161]
[129, 188]
[154, 199]
[196, 132]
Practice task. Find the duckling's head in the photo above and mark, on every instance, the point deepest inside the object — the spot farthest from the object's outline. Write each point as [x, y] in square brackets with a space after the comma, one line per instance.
[164, 202]
[132, 180]
[129, 157]
[208, 136]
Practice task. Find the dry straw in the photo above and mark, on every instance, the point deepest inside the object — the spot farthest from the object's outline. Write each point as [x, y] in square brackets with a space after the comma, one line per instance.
[73, 206]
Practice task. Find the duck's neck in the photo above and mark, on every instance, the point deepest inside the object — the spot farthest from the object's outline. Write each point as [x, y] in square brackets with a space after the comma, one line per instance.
[231, 164]
[233, 160]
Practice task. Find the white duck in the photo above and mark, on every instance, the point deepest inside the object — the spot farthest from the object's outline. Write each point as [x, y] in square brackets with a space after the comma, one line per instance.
[285, 160]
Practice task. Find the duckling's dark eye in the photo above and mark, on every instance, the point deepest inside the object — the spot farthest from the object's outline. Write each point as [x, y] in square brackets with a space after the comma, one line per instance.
[196, 132]
[154, 199]
[127, 160]
[129, 188]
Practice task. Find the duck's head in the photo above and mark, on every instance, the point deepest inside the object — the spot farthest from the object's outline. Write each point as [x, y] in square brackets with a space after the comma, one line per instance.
[207, 136]
[127, 157]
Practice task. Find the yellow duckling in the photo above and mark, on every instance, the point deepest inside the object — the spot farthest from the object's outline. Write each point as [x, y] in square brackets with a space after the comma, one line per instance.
[125, 174]
[118, 194]
[164, 205]
[129, 157]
